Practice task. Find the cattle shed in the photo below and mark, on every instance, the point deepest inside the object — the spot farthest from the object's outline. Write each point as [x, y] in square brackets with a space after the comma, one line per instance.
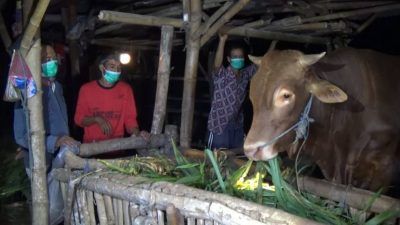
[172, 46]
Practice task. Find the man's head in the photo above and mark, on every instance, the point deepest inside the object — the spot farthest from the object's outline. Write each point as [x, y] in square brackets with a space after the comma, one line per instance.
[49, 62]
[236, 57]
[110, 68]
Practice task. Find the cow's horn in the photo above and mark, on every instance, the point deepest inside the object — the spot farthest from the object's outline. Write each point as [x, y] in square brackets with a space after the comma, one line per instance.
[256, 60]
[308, 60]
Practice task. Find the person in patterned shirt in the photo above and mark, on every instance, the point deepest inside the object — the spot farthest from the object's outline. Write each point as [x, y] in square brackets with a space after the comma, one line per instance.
[225, 121]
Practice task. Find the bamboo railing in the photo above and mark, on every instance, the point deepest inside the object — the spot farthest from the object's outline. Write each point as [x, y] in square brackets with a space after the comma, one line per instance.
[126, 200]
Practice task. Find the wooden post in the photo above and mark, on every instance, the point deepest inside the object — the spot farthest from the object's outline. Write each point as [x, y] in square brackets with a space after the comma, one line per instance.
[40, 202]
[189, 84]
[225, 18]
[73, 44]
[160, 107]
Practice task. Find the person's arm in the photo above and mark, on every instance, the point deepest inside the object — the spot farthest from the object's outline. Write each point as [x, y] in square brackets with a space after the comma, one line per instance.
[219, 56]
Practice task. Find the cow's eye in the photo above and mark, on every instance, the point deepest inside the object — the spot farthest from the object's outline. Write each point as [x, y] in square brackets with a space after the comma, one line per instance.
[287, 96]
[283, 97]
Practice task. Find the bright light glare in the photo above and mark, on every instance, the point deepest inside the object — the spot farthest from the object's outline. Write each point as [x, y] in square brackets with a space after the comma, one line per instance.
[124, 58]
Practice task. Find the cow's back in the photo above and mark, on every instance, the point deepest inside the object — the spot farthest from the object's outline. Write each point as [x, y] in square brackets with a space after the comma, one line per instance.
[356, 140]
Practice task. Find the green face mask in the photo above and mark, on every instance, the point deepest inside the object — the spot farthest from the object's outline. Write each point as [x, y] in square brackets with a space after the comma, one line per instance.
[50, 68]
[237, 63]
[111, 76]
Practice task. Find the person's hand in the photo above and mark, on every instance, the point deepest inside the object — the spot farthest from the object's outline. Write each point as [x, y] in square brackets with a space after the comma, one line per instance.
[223, 37]
[104, 125]
[145, 135]
[66, 140]
[19, 154]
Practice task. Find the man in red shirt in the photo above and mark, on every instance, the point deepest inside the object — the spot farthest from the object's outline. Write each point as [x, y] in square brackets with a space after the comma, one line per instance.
[106, 107]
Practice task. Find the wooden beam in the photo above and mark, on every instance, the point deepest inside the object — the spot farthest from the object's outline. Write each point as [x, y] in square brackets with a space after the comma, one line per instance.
[257, 23]
[224, 19]
[189, 84]
[205, 26]
[164, 69]
[354, 197]
[89, 149]
[339, 15]
[332, 26]
[366, 23]
[271, 35]
[130, 18]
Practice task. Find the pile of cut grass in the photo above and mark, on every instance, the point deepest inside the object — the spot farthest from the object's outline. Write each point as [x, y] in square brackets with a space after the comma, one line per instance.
[213, 175]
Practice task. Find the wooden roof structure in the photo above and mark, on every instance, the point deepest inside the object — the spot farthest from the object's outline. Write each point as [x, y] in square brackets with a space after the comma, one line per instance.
[312, 21]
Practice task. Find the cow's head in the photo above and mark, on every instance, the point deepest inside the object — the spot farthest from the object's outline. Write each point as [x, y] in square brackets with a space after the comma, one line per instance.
[279, 92]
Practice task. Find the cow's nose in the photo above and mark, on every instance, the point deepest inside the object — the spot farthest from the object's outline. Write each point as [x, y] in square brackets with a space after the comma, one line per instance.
[259, 151]
[251, 150]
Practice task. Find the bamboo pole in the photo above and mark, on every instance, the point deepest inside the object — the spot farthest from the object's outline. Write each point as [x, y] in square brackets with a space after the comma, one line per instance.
[339, 15]
[272, 35]
[160, 217]
[333, 26]
[173, 216]
[90, 203]
[101, 209]
[217, 14]
[189, 84]
[5, 36]
[76, 162]
[125, 206]
[33, 26]
[366, 23]
[164, 64]
[40, 207]
[355, 197]
[73, 45]
[257, 23]
[130, 18]
[120, 212]
[109, 210]
[224, 19]
[82, 206]
[89, 149]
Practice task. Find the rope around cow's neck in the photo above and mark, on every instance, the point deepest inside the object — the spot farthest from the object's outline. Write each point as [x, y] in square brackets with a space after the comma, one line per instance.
[301, 127]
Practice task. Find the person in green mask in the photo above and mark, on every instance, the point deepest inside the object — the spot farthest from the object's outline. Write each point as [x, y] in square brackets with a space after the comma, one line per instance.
[106, 107]
[225, 121]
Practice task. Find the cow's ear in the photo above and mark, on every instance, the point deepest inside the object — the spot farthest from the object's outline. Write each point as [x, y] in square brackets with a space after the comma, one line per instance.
[308, 60]
[326, 92]
[256, 60]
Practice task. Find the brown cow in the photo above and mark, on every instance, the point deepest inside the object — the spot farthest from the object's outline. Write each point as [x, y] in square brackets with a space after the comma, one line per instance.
[354, 138]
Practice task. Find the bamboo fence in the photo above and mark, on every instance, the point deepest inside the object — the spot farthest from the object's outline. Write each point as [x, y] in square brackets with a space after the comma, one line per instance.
[126, 200]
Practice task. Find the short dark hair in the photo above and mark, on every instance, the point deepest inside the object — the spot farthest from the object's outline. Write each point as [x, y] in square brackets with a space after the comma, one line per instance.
[235, 45]
[109, 57]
